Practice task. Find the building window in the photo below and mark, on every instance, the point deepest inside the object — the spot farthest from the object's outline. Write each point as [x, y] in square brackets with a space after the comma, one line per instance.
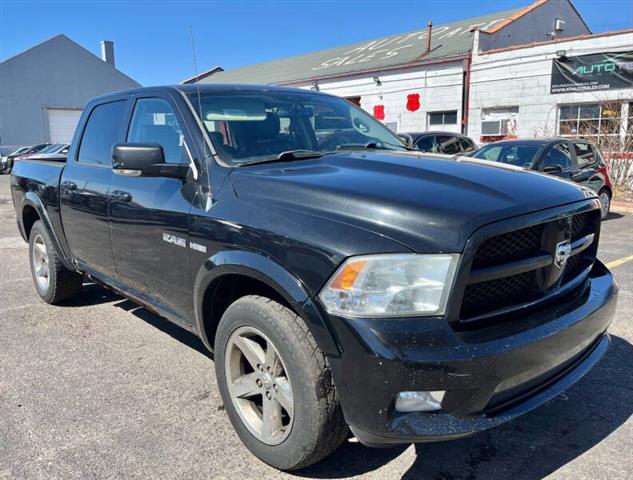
[591, 121]
[443, 118]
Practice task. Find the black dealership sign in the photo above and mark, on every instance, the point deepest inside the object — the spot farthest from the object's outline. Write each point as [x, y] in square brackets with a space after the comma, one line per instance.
[599, 71]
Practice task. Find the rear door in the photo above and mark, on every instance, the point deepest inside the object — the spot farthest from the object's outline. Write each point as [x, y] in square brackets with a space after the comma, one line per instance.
[85, 186]
[150, 216]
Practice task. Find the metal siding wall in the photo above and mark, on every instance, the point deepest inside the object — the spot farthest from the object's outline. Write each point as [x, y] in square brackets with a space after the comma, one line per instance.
[55, 74]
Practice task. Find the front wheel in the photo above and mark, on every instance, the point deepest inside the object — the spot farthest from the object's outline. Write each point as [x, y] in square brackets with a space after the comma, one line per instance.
[53, 281]
[605, 203]
[276, 385]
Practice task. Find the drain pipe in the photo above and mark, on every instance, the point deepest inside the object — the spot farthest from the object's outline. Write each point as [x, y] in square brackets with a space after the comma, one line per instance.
[466, 93]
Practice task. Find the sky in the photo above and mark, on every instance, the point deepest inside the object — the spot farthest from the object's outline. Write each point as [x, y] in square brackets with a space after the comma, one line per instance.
[153, 38]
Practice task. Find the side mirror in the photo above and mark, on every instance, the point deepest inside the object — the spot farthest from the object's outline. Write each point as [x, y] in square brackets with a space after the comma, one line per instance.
[553, 169]
[145, 160]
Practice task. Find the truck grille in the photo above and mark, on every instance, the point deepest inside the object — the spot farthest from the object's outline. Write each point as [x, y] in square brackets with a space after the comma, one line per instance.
[525, 265]
[507, 246]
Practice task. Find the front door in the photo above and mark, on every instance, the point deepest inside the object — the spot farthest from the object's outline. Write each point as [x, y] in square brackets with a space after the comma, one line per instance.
[84, 190]
[150, 216]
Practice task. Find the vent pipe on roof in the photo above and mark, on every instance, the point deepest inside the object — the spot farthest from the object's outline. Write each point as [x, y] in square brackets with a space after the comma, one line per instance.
[107, 52]
[429, 29]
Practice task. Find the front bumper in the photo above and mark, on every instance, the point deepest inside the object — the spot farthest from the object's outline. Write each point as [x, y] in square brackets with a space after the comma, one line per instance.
[490, 375]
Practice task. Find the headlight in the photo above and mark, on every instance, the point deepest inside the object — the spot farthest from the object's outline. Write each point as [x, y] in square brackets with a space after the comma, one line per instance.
[391, 285]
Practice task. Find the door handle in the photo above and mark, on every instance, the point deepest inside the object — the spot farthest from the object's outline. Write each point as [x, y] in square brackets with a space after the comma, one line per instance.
[68, 186]
[121, 196]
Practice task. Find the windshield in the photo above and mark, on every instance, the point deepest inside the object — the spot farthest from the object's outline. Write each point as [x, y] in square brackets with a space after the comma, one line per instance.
[518, 154]
[248, 127]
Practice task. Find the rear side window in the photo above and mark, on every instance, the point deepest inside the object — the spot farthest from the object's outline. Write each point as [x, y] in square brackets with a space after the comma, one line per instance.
[101, 133]
[466, 145]
[584, 153]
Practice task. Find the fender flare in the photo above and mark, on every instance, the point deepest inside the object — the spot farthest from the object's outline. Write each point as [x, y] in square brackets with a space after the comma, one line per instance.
[31, 199]
[265, 270]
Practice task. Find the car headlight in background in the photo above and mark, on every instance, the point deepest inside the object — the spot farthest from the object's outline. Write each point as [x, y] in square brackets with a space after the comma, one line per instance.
[391, 285]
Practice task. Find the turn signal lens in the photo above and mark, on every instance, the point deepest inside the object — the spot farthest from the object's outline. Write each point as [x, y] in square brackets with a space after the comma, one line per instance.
[345, 278]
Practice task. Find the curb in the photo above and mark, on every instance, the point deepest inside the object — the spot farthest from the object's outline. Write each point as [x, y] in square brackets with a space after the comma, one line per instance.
[618, 206]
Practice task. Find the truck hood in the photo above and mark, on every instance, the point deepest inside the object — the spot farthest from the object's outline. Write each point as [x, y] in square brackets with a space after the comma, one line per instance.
[426, 203]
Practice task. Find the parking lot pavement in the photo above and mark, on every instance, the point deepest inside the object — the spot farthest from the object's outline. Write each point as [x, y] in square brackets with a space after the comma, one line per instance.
[104, 389]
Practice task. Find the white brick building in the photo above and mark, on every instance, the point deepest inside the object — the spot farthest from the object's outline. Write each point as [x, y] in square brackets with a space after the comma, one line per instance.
[514, 83]
[494, 68]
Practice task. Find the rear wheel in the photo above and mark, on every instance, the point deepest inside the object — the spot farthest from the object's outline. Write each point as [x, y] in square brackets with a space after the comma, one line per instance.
[53, 281]
[605, 203]
[276, 384]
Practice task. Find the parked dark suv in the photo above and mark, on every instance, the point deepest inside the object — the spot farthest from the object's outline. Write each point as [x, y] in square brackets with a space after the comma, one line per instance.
[339, 279]
[572, 159]
[449, 143]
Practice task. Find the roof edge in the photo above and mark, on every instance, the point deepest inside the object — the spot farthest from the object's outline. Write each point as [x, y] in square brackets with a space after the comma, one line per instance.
[35, 46]
[516, 16]
[454, 58]
[584, 36]
[199, 76]
[61, 35]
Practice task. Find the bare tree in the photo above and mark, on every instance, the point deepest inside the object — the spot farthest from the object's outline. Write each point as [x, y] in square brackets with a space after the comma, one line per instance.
[602, 124]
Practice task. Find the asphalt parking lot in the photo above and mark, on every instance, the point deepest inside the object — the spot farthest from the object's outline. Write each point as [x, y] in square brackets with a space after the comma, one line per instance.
[104, 389]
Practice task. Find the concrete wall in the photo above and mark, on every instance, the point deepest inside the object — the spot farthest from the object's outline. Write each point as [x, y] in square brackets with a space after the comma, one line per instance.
[57, 73]
[522, 77]
[439, 87]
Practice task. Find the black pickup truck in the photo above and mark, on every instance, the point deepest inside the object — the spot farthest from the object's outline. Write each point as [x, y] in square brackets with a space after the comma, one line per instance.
[339, 279]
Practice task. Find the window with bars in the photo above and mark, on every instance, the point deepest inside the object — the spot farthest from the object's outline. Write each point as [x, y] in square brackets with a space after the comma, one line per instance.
[591, 121]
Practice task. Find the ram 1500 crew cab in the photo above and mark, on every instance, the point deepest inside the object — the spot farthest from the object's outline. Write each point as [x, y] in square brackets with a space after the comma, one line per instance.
[340, 279]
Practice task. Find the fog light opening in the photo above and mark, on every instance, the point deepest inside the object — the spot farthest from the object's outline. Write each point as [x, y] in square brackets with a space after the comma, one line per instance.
[419, 401]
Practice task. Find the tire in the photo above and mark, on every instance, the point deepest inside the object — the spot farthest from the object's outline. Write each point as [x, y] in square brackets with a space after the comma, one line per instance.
[605, 203]
[61, 284]
[316, 426]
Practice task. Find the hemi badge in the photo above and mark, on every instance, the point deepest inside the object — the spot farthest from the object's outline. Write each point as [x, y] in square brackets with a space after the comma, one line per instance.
[197, 247]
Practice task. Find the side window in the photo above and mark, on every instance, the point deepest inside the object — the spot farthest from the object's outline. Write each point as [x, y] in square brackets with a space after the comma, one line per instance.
[448, 145]
[584, 153]
[426, 144]
[101, 133]
[154, 121]
[466, 145]
[558, 155]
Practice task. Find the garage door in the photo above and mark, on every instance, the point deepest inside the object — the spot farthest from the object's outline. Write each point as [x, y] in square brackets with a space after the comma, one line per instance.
[62, 123]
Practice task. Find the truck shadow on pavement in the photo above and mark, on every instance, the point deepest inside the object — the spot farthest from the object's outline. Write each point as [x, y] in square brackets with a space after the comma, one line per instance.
[530, 448]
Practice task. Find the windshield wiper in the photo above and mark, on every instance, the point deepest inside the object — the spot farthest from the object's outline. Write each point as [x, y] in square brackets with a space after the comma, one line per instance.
[290, 155]
[372, 146]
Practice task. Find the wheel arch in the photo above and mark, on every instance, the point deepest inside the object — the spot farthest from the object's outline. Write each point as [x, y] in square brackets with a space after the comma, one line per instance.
[608, 189]
[229, 275]
[33, 210]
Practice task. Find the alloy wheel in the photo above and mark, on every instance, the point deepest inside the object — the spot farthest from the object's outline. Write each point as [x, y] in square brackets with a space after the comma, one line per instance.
[605, 202]
[41, 267]
[259, 386]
